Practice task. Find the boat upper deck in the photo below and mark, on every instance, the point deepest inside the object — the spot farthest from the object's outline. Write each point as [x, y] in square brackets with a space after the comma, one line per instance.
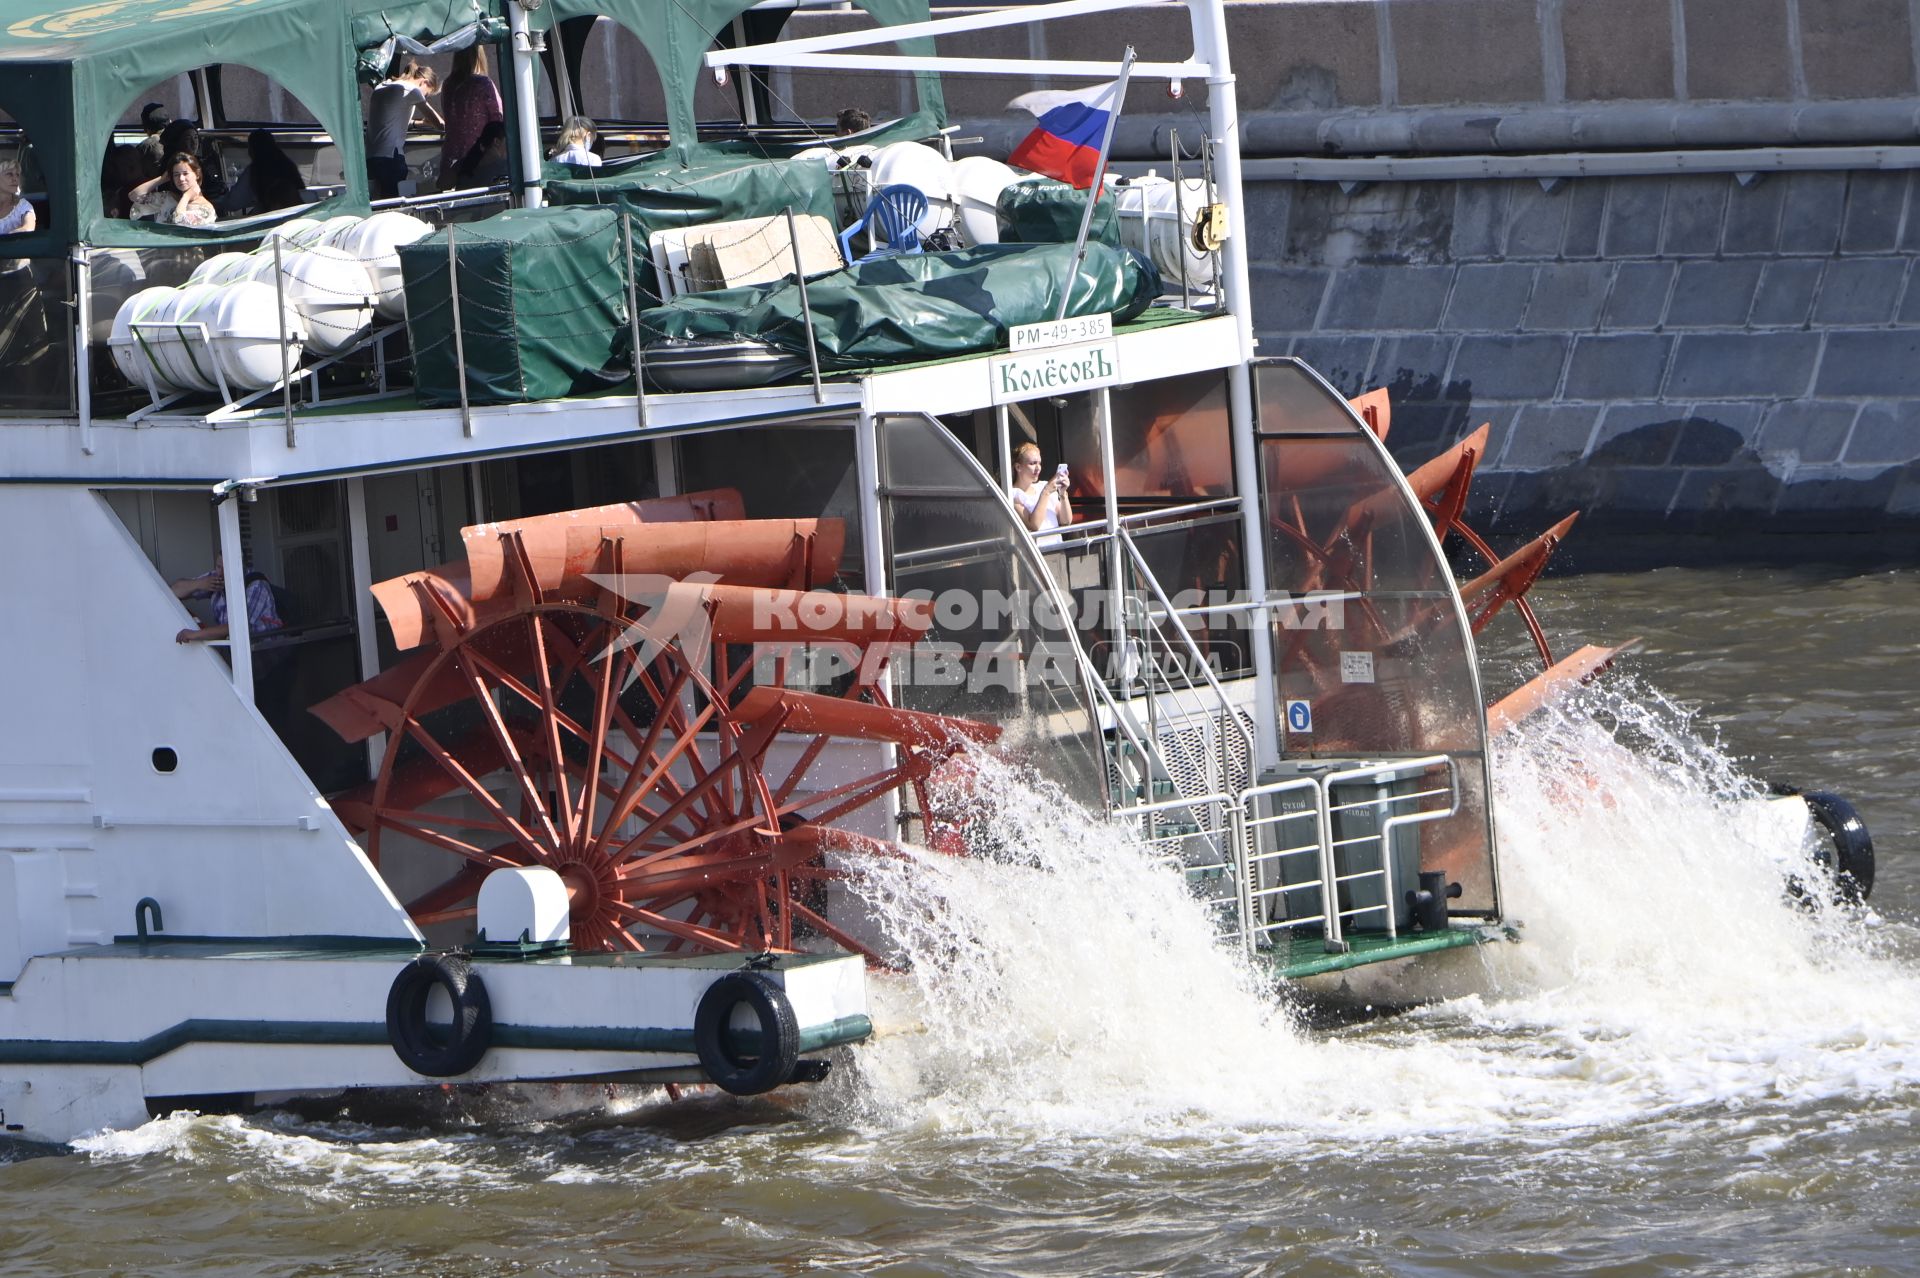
[399, 431]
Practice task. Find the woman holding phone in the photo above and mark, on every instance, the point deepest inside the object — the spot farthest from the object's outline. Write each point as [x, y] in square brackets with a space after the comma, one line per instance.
[1043, 503]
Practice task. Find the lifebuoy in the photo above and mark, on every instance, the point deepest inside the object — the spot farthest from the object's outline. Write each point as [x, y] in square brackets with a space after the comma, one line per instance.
[1851, 860]
[434, 1050]
[746, 1074]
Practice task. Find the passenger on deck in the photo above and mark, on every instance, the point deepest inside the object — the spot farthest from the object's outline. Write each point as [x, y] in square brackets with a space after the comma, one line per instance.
[263, 615]
[16, 211]
[175, 197]
[154, 117]
[486, 163]
[390, 114]
[576, 142]
[1042, 503]
[122, 169]
[471, 101]
[852, 120]
[184, 137]
[270, 181]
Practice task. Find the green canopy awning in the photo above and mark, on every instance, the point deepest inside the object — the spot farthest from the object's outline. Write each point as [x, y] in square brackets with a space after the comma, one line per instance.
[69, 71]
[678, 33]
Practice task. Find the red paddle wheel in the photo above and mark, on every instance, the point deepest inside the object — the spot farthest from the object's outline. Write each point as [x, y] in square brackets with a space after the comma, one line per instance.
[584, 699]
[1441, 486]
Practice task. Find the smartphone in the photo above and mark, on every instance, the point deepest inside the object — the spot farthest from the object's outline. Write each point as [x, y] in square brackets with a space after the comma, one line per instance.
[1060, 471]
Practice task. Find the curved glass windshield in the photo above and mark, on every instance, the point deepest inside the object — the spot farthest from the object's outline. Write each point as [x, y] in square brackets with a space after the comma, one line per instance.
[1370, 633]
[1002, 649]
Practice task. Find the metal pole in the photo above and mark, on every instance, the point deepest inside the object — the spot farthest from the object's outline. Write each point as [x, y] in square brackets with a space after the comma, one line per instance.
[526, 106]
[633, 319]
[459, 341]
[1099, 177]
[1236, 296]
[1179, 225]
[233, 565]
[361, 570]
[806, 308]
[280, 318]
[1003, 444]
[83, 343]
[1116, 589]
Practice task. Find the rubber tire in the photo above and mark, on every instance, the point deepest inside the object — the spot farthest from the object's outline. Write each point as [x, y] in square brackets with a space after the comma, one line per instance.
[1851, 860]
[779, 1034]
[471, 1033]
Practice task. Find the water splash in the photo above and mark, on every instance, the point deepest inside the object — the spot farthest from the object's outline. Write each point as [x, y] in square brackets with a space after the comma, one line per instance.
[1075, 987]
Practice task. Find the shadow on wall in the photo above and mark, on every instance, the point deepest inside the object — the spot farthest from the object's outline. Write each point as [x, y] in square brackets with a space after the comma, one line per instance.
[1685, 475]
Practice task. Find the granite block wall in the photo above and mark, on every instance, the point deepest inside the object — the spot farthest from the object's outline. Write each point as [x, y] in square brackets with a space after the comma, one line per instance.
[1696, 353]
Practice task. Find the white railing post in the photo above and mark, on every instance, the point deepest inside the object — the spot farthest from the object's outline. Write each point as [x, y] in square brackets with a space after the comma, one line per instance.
[83, 343]
[233, 582]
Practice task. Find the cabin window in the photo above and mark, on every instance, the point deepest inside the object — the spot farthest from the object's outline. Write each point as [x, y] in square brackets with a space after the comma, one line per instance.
[36, 293]
[788, 472]
[255, 150]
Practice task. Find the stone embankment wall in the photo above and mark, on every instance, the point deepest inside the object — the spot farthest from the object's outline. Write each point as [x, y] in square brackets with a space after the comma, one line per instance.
[1665, 348]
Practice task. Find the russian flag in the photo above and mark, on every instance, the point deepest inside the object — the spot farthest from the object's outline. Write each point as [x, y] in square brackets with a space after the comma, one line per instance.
[1072, 124]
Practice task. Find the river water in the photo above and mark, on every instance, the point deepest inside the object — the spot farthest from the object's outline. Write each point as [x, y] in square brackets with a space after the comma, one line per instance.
[1675, 1071]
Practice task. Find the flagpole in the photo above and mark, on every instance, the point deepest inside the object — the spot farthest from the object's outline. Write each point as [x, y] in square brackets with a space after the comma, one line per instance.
[1099, 179]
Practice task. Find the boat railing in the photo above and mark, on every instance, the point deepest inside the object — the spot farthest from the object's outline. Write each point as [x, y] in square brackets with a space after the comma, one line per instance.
[1341, 826]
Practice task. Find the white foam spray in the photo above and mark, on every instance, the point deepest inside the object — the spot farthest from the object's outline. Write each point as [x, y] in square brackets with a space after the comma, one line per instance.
[1076, 988]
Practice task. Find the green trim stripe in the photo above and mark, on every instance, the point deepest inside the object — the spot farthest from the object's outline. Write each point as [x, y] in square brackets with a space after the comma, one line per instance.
[1304, 956]
[847, 1029]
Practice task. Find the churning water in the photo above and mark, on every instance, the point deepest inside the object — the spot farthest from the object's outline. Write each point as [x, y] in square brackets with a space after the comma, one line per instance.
[1678, 1068]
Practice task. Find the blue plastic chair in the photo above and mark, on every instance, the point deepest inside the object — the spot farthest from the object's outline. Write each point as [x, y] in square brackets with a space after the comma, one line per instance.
[894, 213]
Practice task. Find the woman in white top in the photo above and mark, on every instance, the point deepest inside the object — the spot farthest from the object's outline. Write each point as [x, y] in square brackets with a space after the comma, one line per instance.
[174, 196]
[1042, 503]
[576, 142]
[16, 211]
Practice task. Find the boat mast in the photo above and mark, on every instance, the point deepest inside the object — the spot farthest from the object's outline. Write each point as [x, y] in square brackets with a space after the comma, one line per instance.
[1223, 114]
[526, 104]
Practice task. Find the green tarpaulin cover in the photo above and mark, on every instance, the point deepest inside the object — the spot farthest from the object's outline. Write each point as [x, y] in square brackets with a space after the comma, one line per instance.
[722, 184]
[542, 306]
[916, 306]
[1050, 213]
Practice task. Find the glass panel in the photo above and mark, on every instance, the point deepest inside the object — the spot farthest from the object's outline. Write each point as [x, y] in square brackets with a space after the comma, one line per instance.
[36, 335]
[1000, 650]
[1375, 642]
[783, 472]
[1172, 441]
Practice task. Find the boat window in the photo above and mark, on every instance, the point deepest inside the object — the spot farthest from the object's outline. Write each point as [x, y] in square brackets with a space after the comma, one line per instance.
[36, 328]
[1001, 649]
[783, 472]
[256, 148]
[1374, 640]
[542, 483]
[1171, 440]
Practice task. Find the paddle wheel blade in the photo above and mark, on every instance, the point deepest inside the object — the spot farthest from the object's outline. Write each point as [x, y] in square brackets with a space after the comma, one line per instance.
[1512, 577]
[1552, 685]
[1376, 410]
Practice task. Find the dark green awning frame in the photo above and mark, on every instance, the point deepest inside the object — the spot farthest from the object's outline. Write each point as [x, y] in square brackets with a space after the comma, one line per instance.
[678, 33]
[71, 69]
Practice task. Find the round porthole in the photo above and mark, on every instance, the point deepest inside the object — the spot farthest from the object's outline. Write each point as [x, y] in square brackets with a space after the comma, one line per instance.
[165, 759]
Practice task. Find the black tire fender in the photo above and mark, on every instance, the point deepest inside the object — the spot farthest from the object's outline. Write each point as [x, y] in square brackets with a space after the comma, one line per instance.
[1851, 858]
[435, 1051]
[779, 1052]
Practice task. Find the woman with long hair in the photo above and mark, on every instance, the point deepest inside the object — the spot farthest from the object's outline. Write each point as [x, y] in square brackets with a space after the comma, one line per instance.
[175, 196]
[470, 101]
